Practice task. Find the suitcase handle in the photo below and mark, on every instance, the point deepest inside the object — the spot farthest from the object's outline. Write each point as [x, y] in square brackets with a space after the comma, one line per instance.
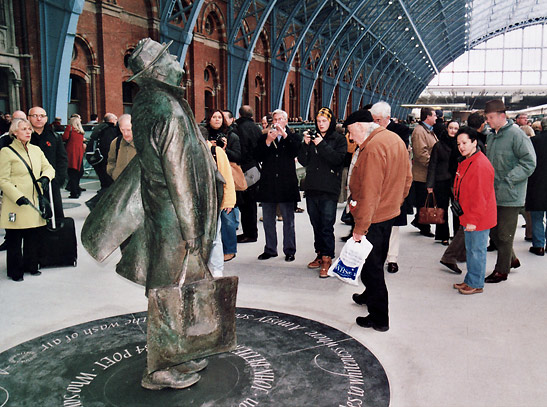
[53, 222]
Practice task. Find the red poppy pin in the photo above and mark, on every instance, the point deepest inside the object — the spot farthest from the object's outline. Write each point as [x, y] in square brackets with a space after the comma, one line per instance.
[48, 143]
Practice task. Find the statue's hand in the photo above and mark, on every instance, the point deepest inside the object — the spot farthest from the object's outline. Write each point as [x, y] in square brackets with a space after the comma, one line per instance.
[193, 245]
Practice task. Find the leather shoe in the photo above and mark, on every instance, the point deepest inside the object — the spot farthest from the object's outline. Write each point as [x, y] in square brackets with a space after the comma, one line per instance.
[289, 257]
[326, 262]
[491, 248]
[495, 277]
[528, 239]
[426, 233]
[36, 273]
[367, 322]
[17, 279]
[392, 267]
[515, 264]
[228, 257]
[315, 264]
[245, 239]
[538, 251]
[266, 256]
[470, 290]
[452, 266]
[4, 246]
[358, 299]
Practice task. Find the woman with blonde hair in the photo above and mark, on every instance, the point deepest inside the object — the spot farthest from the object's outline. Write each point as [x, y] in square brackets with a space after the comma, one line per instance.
[75, 148]
[18, 216]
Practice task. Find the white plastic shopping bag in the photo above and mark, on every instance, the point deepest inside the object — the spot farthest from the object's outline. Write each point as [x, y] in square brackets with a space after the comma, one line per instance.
[348, 266]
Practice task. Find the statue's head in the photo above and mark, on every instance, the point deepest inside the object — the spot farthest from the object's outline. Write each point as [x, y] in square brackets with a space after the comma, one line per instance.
[150, 59]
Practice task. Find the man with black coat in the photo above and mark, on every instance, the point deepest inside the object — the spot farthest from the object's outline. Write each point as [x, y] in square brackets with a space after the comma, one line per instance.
[278, 185]
[322, 153]
[104, 133]
[54, 150]
[536, 193]
[249, 134]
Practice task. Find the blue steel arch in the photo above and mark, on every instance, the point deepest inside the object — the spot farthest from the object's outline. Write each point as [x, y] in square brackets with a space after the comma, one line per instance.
[280, 69]
[172, 10]
[58, 21]
[239, 57]
[325, 51]
[344, 91]
[379, 42]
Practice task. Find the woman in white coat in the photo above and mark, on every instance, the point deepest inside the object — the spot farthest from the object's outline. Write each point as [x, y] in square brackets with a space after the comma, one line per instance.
[18, 217]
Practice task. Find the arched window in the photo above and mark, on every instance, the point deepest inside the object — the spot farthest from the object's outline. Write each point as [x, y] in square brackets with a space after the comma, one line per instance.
[209, 102]
[78, 96]
[129, 91]
[4, 90]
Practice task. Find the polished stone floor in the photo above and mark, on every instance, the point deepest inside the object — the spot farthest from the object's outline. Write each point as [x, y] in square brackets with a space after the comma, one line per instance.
[442, 349]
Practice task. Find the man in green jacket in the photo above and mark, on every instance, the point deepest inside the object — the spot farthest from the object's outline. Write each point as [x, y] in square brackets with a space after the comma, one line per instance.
[512, 155]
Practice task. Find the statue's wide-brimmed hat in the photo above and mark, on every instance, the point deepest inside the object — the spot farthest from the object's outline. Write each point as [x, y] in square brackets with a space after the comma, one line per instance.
[145, 55]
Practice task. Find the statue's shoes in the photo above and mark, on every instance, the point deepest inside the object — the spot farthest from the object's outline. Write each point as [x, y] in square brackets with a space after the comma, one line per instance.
[161, 379]
[193, 366]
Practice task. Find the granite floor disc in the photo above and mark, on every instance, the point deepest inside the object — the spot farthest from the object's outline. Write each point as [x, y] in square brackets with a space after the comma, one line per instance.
[280, 360]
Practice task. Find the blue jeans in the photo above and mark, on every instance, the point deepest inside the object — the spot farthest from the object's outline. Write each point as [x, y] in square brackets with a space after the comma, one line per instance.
[475, 248]
[322, 214]
[289, 236]
[539, 228]
[228, 229]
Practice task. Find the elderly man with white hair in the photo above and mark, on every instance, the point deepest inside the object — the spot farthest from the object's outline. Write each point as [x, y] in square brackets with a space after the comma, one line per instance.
[380, 181]
[122, 148]
[278, 185]
[381, 114]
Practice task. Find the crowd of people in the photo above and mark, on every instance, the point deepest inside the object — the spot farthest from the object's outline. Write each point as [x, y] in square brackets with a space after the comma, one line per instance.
[485, 173]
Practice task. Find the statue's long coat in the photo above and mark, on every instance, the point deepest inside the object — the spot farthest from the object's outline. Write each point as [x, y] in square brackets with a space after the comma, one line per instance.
[166, 199]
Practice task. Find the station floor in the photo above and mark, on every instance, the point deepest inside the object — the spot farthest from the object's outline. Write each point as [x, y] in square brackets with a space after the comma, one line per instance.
[442, 349]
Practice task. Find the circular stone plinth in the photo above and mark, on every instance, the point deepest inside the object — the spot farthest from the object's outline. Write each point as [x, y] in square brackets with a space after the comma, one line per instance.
[280, 360]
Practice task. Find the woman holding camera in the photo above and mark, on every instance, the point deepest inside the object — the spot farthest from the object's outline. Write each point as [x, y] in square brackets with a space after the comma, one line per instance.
[475, 204]
[217, 133]
[18, 217]
[322, 153]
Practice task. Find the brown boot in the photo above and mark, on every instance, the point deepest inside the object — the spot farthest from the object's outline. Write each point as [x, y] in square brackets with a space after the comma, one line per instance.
[316, 263]
[326, 262]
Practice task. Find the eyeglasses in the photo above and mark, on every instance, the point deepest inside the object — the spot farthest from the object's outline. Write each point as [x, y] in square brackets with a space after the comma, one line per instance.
[38, 116]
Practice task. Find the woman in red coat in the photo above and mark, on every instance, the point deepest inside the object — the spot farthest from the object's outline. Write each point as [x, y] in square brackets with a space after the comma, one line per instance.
[74, 139]
[474, 191]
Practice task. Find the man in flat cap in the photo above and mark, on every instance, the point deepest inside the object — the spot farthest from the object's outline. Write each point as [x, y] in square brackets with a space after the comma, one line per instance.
[513, 157]
[379, 183]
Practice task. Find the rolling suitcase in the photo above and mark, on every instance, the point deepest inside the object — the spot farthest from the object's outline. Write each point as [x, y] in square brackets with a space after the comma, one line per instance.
[59, 247]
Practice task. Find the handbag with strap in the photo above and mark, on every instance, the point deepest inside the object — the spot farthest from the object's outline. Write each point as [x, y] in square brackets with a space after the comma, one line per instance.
[43, 202]
[239, 178]
[431, 214]
[95, 156]
[252, 176]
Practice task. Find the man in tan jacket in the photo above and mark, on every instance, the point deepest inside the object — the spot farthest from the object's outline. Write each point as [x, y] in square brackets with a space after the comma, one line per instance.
[379, 183]
[423, 139]
[122, 150]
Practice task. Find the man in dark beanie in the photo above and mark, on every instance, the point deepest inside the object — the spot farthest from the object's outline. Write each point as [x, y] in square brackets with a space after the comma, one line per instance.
[379, 183]
[512, 155]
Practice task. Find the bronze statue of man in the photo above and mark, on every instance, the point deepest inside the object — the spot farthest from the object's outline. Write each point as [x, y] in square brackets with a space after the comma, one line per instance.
[167, 202]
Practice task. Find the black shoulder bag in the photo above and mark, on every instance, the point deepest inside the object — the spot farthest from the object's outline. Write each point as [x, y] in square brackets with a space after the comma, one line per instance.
[43, 202]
